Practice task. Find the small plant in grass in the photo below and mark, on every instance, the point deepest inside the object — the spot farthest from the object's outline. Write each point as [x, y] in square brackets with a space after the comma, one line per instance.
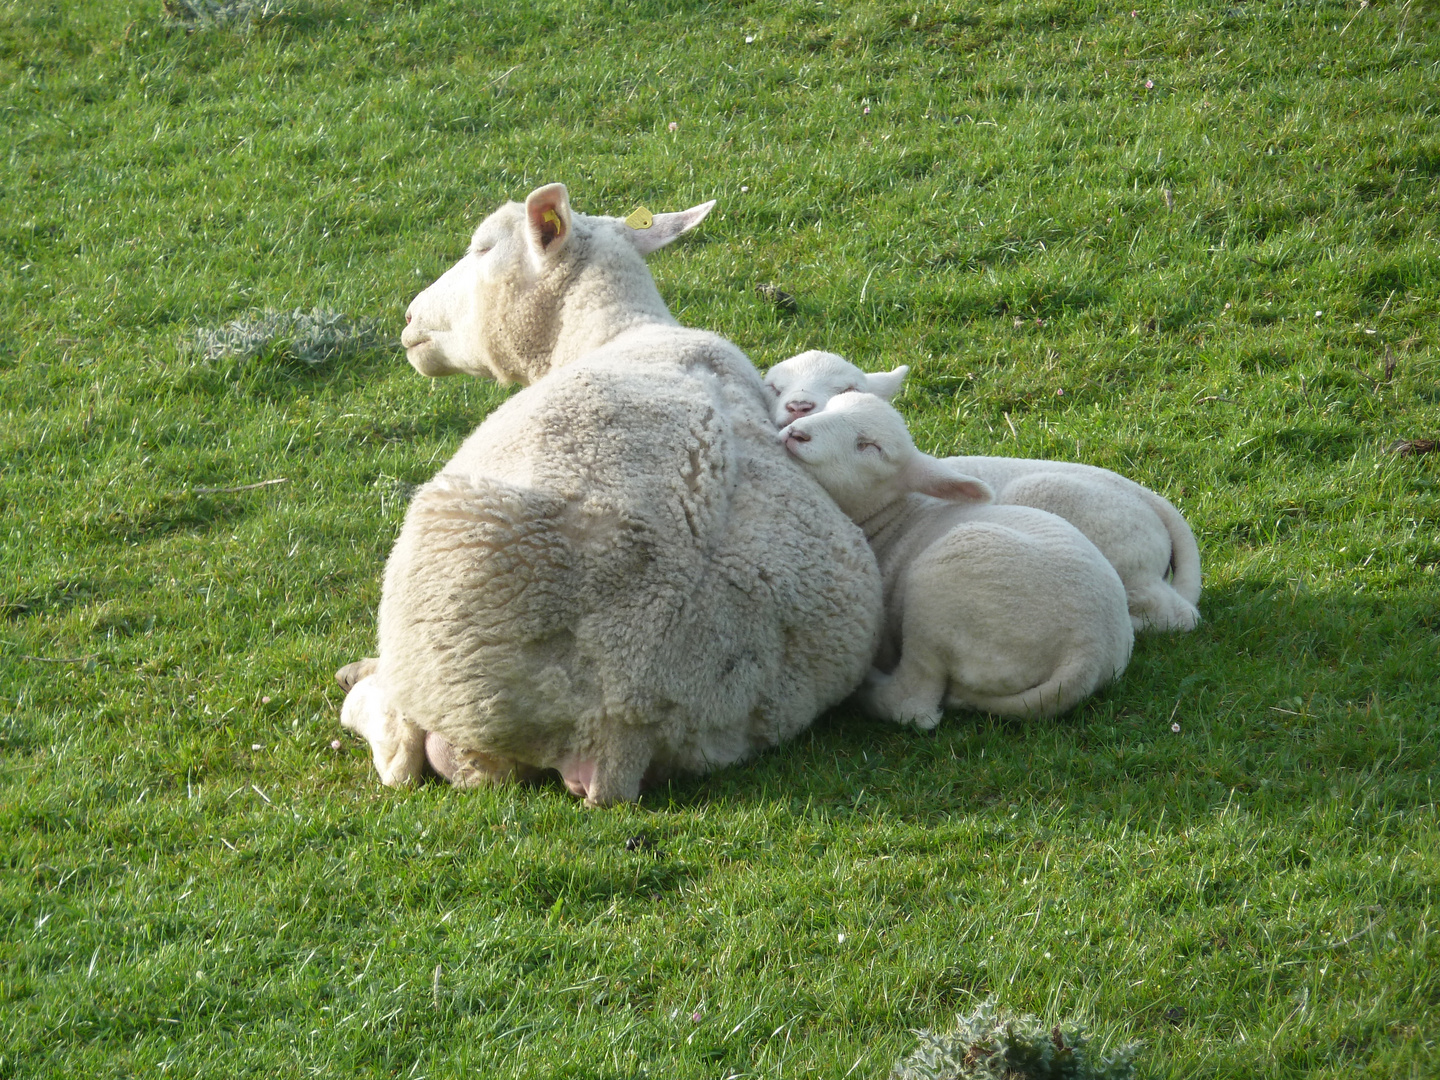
[988, 1045]
[311, 338]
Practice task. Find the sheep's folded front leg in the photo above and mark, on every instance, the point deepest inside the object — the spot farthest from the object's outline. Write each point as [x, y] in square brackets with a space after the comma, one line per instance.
[352, 673]
[614, 771]
[396, 745]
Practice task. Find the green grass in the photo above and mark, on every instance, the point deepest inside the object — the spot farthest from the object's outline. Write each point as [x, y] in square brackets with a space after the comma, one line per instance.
[195, 883]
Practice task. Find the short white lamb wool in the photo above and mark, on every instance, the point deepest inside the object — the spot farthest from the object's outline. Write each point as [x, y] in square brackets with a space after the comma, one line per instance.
[620, 574]
[1145, 538]
[1004, 609]
[805, 382]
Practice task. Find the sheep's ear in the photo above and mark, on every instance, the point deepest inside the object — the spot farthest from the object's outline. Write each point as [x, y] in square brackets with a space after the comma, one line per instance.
[547, 219]
[929, 476]
[667, 227]
[887, 383]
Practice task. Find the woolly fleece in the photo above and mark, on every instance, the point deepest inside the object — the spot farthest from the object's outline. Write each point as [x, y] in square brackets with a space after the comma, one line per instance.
[1139, 531]
[1003, 609]
[620, 575]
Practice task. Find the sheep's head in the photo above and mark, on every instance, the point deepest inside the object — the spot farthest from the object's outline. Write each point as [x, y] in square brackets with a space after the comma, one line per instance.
[805, 382]
[501, 311]
[860, 451]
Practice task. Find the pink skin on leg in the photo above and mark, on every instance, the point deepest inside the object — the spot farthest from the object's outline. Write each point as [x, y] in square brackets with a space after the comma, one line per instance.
[579, 776]
[441, 756]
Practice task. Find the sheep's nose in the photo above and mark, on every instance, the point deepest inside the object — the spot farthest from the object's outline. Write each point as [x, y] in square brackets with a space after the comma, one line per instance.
[408, 316]
[799, 408]
[798, 435]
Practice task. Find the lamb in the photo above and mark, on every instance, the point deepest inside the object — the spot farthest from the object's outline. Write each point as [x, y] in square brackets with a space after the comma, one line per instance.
[620, 575]
[1003, 609]
[805, 382]
[1142, 534]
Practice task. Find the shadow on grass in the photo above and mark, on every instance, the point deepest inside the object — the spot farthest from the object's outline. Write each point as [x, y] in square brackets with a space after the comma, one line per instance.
[1257, 691]
[276, 376]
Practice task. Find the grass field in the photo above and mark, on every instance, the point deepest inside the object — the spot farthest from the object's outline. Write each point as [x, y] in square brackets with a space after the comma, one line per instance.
[1196, 243]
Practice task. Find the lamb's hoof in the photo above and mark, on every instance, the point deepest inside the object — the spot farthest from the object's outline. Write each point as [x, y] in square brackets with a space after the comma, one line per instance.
[351, 674]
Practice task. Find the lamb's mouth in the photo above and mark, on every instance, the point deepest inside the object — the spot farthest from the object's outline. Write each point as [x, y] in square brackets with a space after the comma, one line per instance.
[791, 439]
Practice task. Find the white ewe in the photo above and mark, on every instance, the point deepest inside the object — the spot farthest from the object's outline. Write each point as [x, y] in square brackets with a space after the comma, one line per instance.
[1005, 609]
[1142, 534]
[620, 574]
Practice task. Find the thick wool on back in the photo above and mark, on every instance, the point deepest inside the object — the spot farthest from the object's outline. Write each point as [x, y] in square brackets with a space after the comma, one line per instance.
[1139, 531]
[619, 572]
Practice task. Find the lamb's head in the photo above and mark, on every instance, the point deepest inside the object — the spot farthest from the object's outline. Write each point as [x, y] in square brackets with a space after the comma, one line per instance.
[540, 285]
[860, 451]
[805, 382]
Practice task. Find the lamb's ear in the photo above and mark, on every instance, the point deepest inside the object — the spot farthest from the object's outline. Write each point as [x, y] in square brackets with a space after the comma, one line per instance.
[667, 227]
[547, 220]
[929, 476]
[887, 384]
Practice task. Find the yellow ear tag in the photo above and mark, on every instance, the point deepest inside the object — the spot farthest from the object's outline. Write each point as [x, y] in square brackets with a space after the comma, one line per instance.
[552, 217]
[640, 219]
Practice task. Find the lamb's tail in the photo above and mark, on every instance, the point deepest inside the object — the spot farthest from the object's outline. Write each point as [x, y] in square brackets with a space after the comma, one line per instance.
[495, 551]
[482, 574]
[1184, 552]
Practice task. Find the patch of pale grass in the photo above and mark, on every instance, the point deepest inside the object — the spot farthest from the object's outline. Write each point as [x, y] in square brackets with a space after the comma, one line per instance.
[208, 13]
[988, 1044]
[311, 337]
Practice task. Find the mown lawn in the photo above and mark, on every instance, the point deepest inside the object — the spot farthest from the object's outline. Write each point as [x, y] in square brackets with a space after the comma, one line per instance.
[1196, 243]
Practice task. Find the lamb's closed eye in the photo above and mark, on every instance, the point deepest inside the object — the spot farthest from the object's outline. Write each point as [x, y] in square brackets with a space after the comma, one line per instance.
[811, 379]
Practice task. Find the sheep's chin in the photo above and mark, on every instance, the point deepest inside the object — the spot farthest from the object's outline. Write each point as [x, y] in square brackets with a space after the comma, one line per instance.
[428, 360]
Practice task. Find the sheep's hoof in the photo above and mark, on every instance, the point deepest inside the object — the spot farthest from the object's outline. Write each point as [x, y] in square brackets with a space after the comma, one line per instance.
[920, 717]
[351, 674]
[885, 701]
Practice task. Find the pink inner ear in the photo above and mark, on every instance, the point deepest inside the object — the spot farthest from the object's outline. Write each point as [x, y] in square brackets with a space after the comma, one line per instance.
[546, 210]
[956, 490]
[548, 226]
[930, 477]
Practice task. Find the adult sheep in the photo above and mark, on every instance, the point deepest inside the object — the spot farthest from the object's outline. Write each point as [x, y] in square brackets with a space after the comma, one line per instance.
[620, 575]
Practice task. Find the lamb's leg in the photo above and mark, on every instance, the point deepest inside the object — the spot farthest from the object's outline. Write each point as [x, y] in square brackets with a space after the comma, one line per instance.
[396, 745]
[912, 695]
[1155, 605]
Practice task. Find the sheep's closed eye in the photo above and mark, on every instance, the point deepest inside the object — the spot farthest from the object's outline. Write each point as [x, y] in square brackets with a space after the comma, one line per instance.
[773, 389]
[862, 445]
[851, 390]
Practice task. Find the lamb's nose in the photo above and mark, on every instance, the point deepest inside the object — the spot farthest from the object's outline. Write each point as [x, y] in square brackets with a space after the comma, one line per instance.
[408, 316]
[798, 435]
[799, 408]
